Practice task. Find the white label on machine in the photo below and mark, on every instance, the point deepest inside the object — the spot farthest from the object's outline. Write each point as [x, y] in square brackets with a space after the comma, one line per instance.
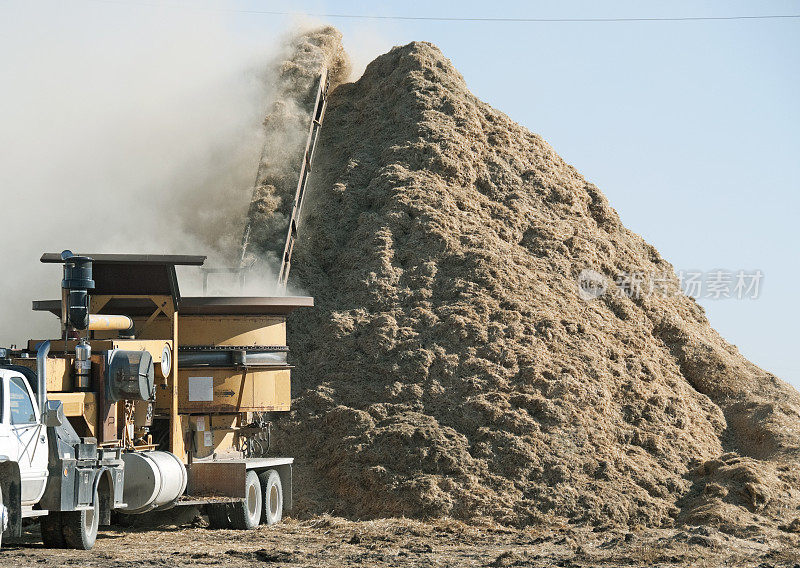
[201, 389]
[208, 438]
[201, 423]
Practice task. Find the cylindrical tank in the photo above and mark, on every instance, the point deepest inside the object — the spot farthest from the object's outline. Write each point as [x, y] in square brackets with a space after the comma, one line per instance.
[77, 282]
[83, 366]
[152, 480]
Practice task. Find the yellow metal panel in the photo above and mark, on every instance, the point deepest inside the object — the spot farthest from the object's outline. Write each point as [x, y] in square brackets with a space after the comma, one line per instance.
[222, 427]
[283, 388]
[79, 404]
[232, 330]
[228, 391]
[213, 434]
[154, 347]
[176, 440]
[221, 330]
[59, 372]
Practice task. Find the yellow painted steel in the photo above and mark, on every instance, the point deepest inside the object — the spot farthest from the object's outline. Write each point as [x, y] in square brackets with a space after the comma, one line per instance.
[212, 434]
[79, 404]
[220, 330]
[59, 371]
[176, 445]
[229, 391]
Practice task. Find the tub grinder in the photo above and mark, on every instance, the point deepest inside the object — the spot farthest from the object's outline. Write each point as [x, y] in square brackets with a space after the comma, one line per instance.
[183, 388]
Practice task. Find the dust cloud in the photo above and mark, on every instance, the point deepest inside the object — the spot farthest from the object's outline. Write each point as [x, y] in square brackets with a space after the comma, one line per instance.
[135, 138]
[286, 126]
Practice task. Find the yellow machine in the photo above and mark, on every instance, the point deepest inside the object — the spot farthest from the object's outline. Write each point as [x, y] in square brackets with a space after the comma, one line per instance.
[160, 376]
[148, 400]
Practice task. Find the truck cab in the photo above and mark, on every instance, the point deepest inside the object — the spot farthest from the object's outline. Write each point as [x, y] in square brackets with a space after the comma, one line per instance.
[46, 469]
[23, 437]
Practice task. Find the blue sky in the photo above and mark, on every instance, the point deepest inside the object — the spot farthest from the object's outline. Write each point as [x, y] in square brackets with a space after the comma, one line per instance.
[691, 129]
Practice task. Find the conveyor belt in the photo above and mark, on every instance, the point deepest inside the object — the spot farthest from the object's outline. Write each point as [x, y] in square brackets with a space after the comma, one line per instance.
[305, 169]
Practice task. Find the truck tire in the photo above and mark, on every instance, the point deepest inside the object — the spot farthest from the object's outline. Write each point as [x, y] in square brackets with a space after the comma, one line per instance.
[52, 535]
[272, 498]
[218, 516]
[246, 514]
[80, 527]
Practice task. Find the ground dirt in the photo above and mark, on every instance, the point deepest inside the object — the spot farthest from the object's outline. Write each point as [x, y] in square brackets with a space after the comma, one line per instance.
[332, 541]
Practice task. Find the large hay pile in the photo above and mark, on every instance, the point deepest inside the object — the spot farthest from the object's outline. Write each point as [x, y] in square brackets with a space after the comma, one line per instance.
[451, 367]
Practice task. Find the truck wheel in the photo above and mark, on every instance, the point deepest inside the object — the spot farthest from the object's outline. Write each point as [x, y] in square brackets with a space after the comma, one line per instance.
[80, 527]
[218, 516]
[52, 535]
[247, 514]
[273, 497]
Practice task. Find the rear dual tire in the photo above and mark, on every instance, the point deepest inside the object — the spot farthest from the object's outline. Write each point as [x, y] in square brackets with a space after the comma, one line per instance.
[246, 515]
[71, 529]
[272, 497]
[243, 515]
[263, 503]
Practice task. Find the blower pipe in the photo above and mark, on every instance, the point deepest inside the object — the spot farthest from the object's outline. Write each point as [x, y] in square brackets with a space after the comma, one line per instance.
[99, 322]
[77, 284]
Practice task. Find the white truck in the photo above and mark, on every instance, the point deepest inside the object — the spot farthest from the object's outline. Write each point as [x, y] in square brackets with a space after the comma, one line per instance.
[46, 469]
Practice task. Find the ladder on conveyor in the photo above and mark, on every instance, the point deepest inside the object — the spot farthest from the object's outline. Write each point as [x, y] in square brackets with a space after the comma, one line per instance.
[314, 127]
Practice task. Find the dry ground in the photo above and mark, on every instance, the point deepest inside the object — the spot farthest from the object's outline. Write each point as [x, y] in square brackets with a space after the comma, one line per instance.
[332, 541]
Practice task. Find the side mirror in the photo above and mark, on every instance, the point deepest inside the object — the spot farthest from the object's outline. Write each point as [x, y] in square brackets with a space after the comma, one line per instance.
[54, 413]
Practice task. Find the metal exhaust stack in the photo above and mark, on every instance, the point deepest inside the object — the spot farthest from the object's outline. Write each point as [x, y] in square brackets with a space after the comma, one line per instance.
[41, 374]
